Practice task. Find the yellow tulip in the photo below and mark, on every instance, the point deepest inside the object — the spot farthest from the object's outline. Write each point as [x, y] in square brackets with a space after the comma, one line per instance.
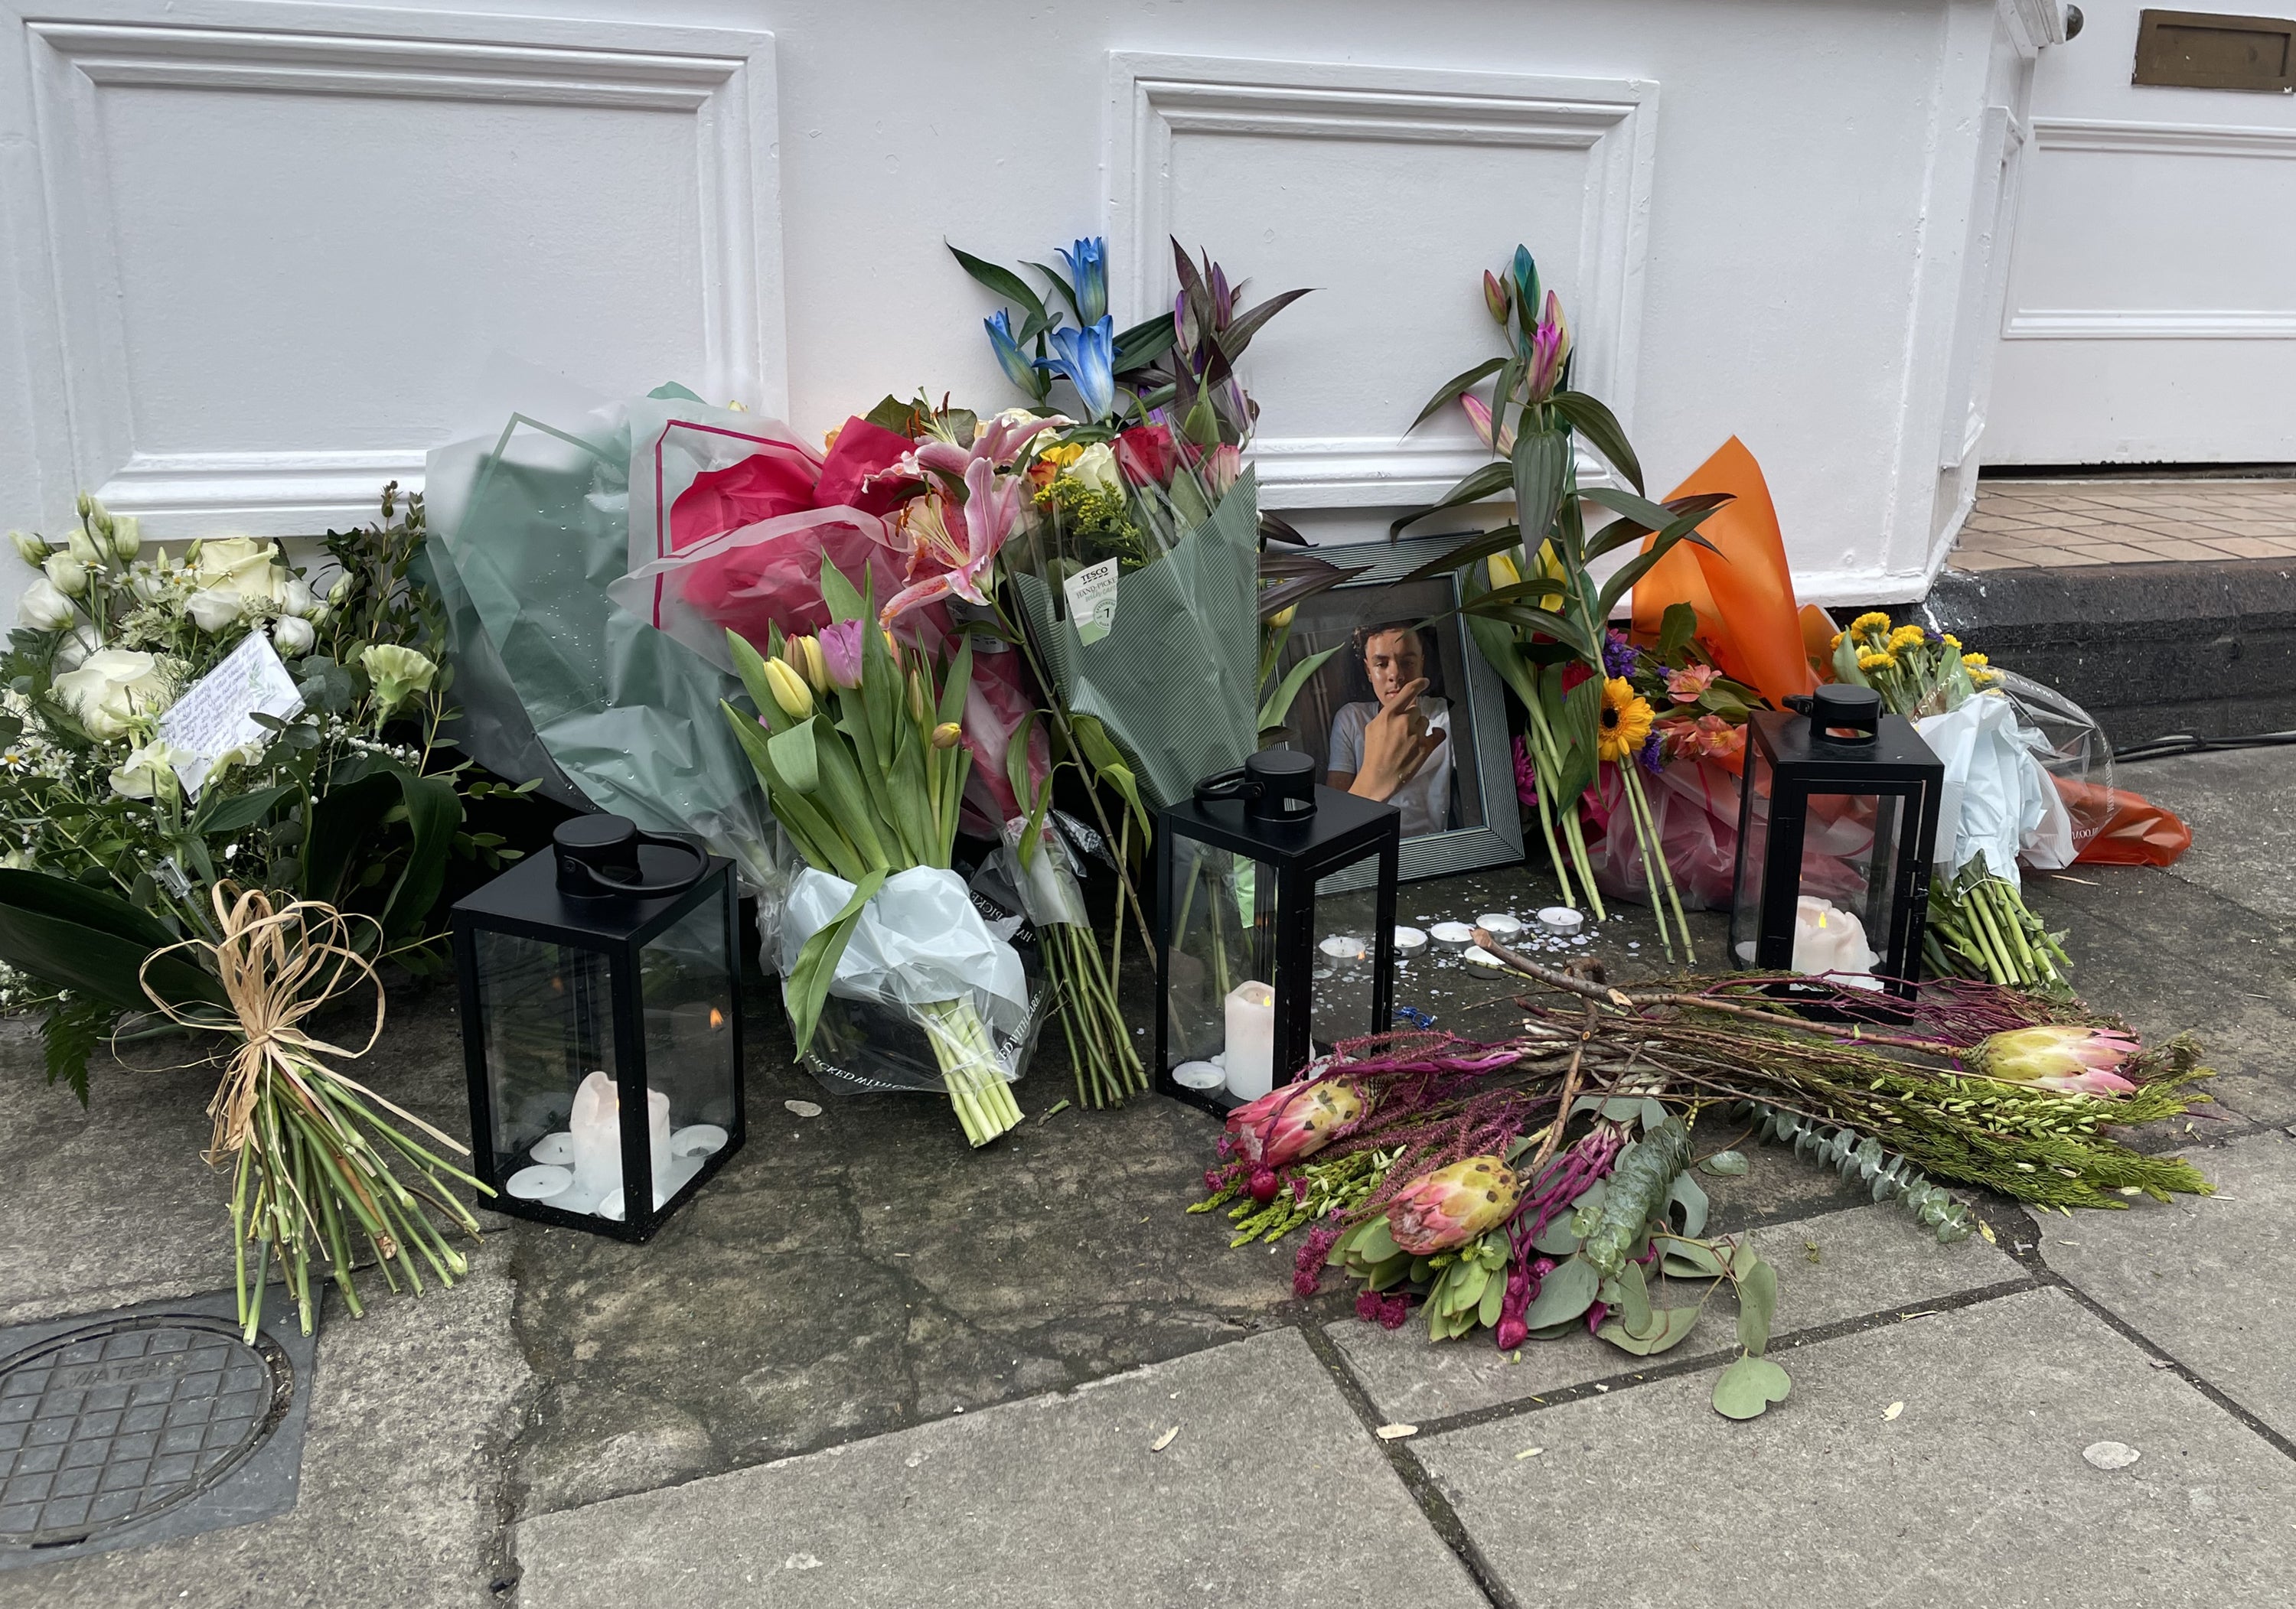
[790, 690]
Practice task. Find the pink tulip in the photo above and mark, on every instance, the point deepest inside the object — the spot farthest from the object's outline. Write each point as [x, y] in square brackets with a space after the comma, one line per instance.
[840, 653]
[1292, 1121]
[2068, 1059]
[1451, 1205]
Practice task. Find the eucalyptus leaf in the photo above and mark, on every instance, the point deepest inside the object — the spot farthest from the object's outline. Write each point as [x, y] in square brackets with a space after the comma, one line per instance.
[1634, 1303]
[1728, 1164]
[1690, 1260]
[1669, 1328]
[1758, 1304]
[1691, 1199]
[1557, 1239]
[1749, 1386]
[1565, 1293]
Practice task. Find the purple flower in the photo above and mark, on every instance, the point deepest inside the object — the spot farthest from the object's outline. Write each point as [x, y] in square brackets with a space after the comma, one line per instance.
[1652, 755]
[1526, 776]
[1596, 1315]
[1308, 1267]
[1617, 654]
[840, 653]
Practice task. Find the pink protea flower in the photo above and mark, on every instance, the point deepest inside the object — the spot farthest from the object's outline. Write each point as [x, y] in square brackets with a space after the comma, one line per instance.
[1451, 1205]
[1292, 1121]
[2068, 1059]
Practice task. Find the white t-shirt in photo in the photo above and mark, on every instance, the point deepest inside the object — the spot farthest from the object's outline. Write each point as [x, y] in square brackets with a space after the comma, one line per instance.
[1425, 800]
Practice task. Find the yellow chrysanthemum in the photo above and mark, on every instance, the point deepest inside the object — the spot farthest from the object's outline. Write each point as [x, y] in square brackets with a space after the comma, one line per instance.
[1877, 662]
[1875, 622]
[1951, 640]
[1975, 662]
[1837, 640]
[1626, 720]
[1904, 638]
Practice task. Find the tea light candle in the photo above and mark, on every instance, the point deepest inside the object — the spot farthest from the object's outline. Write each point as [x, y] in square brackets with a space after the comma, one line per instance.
[1409, 941]
[1250, 1057]
[1198, 1075]
[1500, 926]
[1454, 934]
[1829, 939]
[1560, 919]
[1343, 947]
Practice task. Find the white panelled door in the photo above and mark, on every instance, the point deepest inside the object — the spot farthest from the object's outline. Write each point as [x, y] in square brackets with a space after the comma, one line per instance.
[2151, 316]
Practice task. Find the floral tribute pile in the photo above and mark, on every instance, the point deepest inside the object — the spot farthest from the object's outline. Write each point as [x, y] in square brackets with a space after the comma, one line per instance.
[1547, 1183]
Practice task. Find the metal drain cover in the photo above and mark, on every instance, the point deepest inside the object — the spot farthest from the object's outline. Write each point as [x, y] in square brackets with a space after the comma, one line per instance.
[142, 1424]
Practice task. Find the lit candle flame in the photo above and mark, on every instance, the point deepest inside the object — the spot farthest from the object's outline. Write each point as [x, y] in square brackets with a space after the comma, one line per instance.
[717, 1018]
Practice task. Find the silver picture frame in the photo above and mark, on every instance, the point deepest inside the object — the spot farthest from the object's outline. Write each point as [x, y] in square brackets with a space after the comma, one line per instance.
[1486, 816]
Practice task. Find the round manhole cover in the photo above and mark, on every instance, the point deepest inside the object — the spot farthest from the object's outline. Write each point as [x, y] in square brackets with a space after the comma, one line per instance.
[113, 1424]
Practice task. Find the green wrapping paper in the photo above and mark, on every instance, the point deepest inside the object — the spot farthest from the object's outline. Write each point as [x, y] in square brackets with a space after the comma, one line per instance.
[1176, 680]
[533, 527]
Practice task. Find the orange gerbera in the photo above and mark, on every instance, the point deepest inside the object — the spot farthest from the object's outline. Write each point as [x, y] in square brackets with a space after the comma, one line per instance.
[1626, 720]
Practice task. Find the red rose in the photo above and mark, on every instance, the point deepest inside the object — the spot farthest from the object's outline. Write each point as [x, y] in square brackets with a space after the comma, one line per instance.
[1145, 456]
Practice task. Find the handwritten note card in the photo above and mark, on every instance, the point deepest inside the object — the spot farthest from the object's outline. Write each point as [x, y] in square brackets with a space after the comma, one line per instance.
[216, 712]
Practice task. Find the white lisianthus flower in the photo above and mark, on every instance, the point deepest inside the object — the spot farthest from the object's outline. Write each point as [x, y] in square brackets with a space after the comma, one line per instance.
[43, 607]
[398, 672]
[242, 565]
[1095, 466]
[126, 536]
[212, 609]
[67, 573]
[78, 643]
[82, 546]
[35, 551]
[148, 772]
[295, 598]
[341, 590]
[237, 755]
[111, 689]
[291, 635]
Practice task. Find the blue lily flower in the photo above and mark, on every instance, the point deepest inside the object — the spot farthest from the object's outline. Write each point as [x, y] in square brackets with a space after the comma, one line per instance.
[1087, 267]
[1088, 358]
[1010, 358]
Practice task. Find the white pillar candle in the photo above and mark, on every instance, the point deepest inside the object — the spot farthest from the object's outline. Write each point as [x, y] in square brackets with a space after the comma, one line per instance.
[1829, 939]
[595, 1129]
[1250, 1057]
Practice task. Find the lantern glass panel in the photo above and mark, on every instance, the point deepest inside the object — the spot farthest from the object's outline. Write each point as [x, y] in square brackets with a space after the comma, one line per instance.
[1753, 854]
[1223, 939]
[684, 983]
[548, 1017]
[1345, 1003]
[1849, 861]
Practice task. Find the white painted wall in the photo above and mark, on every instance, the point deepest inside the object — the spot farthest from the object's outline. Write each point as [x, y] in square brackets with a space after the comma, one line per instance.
[259, 254]
[2152, 312]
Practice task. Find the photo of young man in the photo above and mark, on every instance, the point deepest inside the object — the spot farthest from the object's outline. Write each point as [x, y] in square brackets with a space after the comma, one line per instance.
[1396, 746]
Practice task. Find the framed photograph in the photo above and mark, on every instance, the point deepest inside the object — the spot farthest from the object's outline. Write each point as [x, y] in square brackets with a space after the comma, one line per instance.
[1458, 803]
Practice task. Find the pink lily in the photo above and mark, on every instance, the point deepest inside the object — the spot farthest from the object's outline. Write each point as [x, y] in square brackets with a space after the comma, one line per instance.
[960, 538]
[1478, 414]
[1550, 346]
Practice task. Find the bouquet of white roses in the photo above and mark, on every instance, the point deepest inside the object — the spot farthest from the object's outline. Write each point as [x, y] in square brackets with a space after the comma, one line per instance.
[170, 721]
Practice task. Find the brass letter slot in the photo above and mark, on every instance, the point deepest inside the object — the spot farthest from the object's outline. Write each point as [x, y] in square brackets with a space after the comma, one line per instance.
[2197, 50]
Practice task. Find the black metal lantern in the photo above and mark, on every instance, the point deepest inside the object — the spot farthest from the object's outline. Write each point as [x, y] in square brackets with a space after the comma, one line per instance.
[1268, 947]
[601, 1027]
[1837, 820]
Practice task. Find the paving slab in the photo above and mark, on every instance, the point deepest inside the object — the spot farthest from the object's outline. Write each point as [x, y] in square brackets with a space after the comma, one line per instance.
[1270, 1493]
[412, 1410]
[109, 1204]
[1976, 1495]
[2203, 1277]
[2240, 804]
[1868, 1260]
[2173, 957]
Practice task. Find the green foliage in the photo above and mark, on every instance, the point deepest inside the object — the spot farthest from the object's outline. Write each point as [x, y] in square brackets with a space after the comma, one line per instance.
[69, 1033]
[1748, 1386]
[1892, 1178]
[1639, 1184]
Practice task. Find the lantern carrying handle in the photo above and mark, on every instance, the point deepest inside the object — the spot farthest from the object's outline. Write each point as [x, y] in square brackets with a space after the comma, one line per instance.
[589, 847]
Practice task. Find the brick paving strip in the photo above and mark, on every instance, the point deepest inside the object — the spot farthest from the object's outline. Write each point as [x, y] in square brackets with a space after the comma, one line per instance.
[2035, 524]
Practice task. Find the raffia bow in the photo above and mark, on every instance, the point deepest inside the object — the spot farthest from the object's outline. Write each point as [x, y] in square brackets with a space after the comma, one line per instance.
[278, 965]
